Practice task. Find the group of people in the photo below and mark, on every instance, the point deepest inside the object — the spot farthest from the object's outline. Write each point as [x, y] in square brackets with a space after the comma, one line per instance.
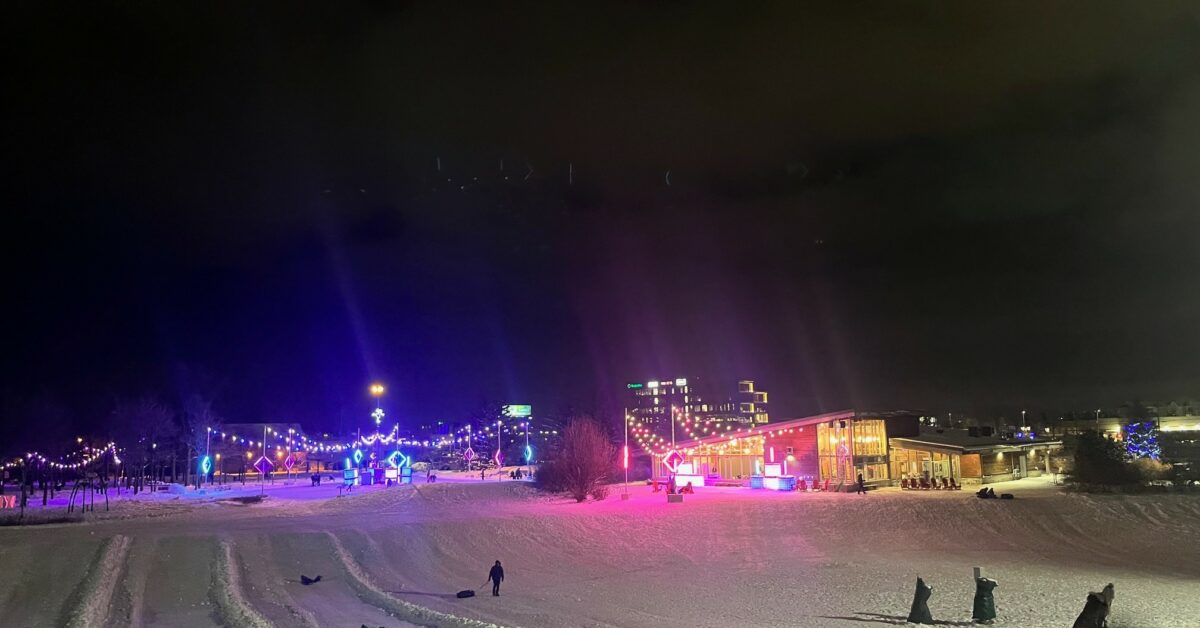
[671, 487]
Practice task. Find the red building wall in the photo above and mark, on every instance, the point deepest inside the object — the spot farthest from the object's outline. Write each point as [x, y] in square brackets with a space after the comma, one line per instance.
[802, 441]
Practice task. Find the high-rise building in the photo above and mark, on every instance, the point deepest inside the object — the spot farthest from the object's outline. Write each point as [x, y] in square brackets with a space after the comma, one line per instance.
[699, 407]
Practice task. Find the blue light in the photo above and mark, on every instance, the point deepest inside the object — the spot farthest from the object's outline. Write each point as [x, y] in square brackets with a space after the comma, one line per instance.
[397, 459]
[348, 465]
[528, 453]
[205, 465]
[358, 456]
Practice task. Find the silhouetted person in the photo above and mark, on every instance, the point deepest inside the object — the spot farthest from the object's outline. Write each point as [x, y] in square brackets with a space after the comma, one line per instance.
[495, 576]
[862, 486]
[920, 607]
[1095, 612]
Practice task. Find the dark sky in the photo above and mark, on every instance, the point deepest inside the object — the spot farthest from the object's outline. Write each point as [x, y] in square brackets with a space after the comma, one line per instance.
[950, 206]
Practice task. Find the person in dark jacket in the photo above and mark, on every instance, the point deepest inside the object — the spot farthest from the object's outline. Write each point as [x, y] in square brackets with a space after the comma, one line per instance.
[495, 576]
[862, 486]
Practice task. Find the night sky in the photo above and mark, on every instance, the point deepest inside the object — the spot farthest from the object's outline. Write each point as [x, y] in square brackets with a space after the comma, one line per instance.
[961, 207]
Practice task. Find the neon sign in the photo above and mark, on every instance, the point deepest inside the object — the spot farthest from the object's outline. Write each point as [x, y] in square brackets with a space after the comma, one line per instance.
[672, 460]
[397, 459]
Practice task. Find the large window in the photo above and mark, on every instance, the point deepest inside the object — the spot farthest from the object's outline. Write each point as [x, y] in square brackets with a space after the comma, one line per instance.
[870, 438]
[916, 464]
[835, 450]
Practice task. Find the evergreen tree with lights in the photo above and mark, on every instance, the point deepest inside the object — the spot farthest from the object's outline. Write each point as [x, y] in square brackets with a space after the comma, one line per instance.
[1141, 441]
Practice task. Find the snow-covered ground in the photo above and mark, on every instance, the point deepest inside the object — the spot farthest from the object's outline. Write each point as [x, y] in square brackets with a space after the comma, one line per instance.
[725, 557]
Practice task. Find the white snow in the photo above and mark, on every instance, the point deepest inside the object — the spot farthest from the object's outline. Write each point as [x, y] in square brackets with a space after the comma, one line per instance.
[725, 557]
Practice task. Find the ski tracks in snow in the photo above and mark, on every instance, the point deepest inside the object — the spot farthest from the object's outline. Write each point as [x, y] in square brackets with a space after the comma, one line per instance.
[94, 595]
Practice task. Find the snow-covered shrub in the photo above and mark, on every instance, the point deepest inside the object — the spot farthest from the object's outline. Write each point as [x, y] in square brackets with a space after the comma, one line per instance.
[586, 459]
[549, 477]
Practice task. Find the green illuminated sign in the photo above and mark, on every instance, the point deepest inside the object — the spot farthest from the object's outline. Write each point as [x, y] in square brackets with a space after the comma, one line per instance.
[515, 411]
[633, 385]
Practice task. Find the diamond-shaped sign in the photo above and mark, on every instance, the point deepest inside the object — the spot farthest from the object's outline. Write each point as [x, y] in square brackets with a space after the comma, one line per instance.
[399, 460]
[289, 462]
[469, 454]
[672, 460]
[205, 465]
[264, 465]
[499, 458]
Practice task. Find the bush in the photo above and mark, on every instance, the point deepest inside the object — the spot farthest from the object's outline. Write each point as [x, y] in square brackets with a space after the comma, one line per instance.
[1149, 469]
[584, 463]
[1100, 460]
[549, 477]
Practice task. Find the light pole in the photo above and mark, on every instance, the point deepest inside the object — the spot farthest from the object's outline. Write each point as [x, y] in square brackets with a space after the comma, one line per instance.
[263, 482]
[1022, 419]
[528, 452]
[625, 454]
[672, 428]
[1097, 420]
[377, 391]
[499, 460]
[207, 447]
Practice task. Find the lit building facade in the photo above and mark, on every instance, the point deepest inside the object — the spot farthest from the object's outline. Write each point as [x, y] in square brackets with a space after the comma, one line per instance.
[690, 408]
[832, 450]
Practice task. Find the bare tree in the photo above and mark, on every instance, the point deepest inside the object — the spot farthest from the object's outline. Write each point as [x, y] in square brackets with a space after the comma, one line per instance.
[587, 459]
[143, 426]
[197, 418]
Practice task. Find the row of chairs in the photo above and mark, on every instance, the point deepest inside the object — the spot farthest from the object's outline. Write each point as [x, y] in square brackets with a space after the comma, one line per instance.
[816, 485]
[937, 484]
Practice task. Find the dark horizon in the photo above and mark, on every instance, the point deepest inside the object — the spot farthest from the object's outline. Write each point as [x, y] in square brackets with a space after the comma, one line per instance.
[968, 210]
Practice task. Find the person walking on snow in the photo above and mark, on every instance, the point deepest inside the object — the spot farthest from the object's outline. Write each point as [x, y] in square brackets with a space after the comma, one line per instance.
[495, 576]
[862, 486]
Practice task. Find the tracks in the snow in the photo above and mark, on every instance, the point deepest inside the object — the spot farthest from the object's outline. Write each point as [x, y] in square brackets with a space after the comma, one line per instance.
[213, 574]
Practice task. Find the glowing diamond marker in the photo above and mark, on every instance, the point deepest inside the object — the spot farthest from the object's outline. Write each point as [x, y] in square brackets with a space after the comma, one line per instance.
[672, 460]
[264, 465]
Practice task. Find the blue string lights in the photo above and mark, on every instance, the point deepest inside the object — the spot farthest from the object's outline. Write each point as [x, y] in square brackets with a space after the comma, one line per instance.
[1141, 440]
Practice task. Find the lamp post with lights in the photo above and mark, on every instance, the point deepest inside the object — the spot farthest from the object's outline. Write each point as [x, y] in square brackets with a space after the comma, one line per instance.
[377, 391]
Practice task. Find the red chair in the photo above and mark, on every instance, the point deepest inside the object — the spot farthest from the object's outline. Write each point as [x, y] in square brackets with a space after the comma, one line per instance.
[826, 489]
[954, 485]
[803, 484]
[904, 484]
[925, 484]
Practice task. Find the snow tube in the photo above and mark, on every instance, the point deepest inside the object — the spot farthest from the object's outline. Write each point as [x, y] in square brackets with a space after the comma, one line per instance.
[467, 593]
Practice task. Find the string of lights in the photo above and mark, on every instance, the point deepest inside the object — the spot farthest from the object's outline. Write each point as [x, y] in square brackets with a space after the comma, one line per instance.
[88, 454]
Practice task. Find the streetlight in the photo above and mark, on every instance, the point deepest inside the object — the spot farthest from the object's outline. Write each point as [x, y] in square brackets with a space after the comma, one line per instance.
[377, 391]
[1022, 419]
[1097, 420]
[625, 456]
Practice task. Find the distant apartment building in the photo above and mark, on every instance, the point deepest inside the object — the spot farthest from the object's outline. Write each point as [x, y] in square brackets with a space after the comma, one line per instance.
[699, 407]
